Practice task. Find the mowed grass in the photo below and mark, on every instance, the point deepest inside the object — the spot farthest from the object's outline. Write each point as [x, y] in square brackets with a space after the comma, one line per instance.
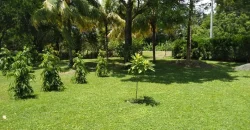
[190, 98]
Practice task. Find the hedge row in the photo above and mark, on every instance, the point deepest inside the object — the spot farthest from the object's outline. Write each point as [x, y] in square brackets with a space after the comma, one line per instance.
[236, 48]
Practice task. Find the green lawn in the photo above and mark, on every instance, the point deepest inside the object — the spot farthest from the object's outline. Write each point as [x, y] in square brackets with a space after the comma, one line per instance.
[190, 98]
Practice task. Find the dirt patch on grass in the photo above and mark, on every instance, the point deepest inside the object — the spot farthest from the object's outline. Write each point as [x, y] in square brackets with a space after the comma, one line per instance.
[192, 64]
[245, 67]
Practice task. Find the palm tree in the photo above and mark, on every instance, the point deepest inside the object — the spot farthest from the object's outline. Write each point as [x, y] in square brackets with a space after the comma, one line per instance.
[107, 11]
[159, 14]
[189, 30]
[132, 9]
[67, 14]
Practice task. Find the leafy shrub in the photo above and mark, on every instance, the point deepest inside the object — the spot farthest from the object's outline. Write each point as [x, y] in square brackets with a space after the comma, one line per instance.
[179, 49]
[50, 73]
[34, 58]
[201, 49]
[21, 73]
[139, 66]
[81, 70]
[136, 47]
[102, 65]
[164, 46]
[147, 47]
[6, 60]
[235, 48]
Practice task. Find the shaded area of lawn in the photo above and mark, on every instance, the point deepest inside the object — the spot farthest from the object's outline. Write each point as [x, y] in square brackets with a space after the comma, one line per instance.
[166, 73]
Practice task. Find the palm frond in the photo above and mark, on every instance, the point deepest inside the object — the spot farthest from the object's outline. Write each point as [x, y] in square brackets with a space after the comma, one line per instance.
[116, 19]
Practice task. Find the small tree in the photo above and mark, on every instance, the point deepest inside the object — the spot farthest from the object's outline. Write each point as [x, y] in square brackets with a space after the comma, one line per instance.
[81, 70]
[50, 74]
[139, 66]
[6, 60]
[20, 70]
[102, 65]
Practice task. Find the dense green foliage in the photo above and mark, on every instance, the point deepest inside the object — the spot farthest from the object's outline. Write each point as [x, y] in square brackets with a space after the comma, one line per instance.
[231, 48]
[137, 47]
[230, 42]
[6, 60]
[193, 96]
[87, 26]
[224, 49]
[50, 73]
[140, 65]
[16, 29]
[102, 65]
[20, 70]
[80, 70]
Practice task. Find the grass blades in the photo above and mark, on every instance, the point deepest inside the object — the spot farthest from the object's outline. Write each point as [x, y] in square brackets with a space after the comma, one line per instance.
[190, 98]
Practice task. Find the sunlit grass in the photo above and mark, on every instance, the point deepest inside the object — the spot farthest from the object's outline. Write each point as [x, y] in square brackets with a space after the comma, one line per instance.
[190, 98]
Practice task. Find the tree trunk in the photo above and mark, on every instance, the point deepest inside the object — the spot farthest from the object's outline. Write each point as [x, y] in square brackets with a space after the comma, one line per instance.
[136, 91]
[78, 48]
[70, 44]
[189, 30]
[106, 40]
[128, 31]
[153, 25]
[58, 45]
[70, 57]
[1, 38]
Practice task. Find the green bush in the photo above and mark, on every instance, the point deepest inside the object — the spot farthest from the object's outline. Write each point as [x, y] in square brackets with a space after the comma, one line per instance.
[6, 59]
[179, 49]
[34, 58]
[20, 70]
[80, 70]
[102, 65]
[136, 47]
[50, 73]
[201, 49]
[236, 48]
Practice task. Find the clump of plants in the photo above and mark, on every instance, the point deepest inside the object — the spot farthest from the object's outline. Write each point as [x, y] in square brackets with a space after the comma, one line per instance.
[102, 65]
[20, 70]
[139, 67]
[6, 60]
[50, 73]
[80, 70]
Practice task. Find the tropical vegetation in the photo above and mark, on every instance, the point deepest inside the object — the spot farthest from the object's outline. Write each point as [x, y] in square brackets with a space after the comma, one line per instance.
[85, 49]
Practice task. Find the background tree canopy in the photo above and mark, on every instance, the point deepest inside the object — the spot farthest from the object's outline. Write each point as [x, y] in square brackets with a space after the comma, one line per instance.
[122, 28]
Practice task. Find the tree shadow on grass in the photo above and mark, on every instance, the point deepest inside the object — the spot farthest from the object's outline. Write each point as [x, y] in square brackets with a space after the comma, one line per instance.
[166, 73]
[33, 96]
[144, 100]
[116, 67]
[230, 64]
[91, 66]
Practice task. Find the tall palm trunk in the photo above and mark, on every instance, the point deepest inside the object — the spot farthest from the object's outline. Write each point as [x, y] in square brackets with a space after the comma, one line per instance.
[70, 44]
[128, 31]
[189, 30]
[106, 40]
[153, 25]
